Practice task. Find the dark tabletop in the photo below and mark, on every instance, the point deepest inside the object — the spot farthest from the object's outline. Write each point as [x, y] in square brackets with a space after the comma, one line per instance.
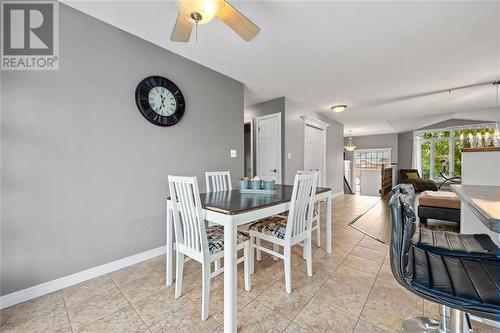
[233, 202]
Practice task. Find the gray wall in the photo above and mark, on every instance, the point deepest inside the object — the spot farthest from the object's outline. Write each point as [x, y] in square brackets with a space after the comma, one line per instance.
[375, 141]
[276, 105]
[406, 139]
[84, 175]
[405, 149]
[334, 154]
[293, 139]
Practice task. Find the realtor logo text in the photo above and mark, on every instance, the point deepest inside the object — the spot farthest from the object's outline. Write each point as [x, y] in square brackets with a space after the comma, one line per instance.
[30, 35]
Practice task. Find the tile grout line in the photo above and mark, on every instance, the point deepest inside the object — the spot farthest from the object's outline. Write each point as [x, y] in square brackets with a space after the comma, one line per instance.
[109, 314]
[130, 303]
[340, 264]
[87, 298]
[270, 309]
[66, 309]
[371, 289]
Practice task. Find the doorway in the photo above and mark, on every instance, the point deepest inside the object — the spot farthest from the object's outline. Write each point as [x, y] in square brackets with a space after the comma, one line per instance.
[268, 143]
[315, 147]
[368, 163]
[248, 148]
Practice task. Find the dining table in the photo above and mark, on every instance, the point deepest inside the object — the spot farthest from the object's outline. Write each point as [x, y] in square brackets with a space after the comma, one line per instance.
[231, 209]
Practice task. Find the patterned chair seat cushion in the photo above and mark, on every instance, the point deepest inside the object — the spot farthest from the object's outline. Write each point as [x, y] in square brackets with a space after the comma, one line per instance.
[215, 237]
[273, 226]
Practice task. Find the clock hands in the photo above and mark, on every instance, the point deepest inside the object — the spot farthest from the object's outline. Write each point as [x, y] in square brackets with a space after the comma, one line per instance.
[162, 101]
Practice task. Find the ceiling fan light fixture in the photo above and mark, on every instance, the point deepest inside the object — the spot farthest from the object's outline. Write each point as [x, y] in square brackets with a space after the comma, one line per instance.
[338, 108]
[200, 11]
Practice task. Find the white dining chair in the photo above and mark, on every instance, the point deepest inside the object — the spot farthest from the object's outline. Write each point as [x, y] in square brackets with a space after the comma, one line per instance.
[194, 240]
[316, 220]
[291, 230]
[218, 181]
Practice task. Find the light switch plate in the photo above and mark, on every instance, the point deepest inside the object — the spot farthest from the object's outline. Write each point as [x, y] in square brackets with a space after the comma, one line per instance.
[233, 152]
[289, 155]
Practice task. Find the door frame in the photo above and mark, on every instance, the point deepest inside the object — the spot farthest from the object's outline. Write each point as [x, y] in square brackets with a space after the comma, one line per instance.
[249, 121]
[257, 144]
[322, 126]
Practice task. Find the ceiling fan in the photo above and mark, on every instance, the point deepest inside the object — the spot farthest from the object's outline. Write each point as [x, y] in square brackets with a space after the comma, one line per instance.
[194, 12]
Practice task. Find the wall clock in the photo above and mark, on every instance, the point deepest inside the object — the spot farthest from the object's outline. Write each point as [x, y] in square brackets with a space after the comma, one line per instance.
[160, 101]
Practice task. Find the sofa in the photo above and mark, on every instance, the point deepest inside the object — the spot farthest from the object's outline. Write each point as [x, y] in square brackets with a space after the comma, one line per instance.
[439, 205]
[411, 176]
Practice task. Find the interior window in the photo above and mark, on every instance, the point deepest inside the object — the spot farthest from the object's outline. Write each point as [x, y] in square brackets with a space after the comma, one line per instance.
[441, 151]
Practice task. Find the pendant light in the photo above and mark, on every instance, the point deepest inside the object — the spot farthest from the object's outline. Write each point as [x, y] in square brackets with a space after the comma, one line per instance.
[350, 146]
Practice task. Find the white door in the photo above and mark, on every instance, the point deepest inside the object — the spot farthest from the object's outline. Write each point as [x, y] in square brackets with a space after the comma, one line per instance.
[314, 150]
[268, 142]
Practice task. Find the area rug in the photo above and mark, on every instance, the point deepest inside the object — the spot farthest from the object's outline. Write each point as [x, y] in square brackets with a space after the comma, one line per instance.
[376, 222]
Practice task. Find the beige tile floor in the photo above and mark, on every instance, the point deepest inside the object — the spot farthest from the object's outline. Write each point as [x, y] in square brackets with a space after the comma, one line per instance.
[352, 290]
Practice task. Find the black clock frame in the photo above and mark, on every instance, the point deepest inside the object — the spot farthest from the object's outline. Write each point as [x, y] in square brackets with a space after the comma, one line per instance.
[142, 101]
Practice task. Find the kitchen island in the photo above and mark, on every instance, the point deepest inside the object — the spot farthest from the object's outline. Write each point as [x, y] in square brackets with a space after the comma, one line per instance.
[480, 210]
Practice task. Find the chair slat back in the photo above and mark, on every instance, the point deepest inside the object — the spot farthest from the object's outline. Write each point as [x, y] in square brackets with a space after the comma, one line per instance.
[218, 181]
[305, 172]
[302, 204]
[189, 224]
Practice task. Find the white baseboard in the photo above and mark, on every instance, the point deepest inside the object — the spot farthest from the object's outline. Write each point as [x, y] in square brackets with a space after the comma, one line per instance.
[69, 280]
[337, 194]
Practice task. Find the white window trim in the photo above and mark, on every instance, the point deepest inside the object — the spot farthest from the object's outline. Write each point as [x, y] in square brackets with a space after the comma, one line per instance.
[364, 150]
[451, 139]
[454, 128]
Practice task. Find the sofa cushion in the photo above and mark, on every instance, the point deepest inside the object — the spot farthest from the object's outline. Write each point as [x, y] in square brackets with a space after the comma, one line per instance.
[412, 175]
[439, 199]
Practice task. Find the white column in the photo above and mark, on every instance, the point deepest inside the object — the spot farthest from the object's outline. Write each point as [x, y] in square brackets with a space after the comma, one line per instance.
[230, 295]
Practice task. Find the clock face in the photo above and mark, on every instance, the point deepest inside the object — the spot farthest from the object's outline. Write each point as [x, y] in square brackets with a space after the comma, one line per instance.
[160, 101]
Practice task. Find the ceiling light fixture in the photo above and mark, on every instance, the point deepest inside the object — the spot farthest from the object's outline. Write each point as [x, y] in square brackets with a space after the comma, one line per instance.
[200, 11]
[195, 12]
[350, 146]
[338, 108]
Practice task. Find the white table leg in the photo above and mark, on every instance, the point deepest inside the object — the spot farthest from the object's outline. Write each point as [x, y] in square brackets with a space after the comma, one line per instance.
[328, 223]
[169, 253]
[230, 278]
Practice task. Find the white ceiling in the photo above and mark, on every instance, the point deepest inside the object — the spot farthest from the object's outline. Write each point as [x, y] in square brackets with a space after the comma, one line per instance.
[390, 62]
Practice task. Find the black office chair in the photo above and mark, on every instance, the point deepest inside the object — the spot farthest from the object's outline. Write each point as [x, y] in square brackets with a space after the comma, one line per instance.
[404, 188]
[460, 272]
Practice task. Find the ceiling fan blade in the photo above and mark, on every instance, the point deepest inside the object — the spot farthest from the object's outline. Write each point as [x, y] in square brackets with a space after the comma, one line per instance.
[238, 22]
[182, 29]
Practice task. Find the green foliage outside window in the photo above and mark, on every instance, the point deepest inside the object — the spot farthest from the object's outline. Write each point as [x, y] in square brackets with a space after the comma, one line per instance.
[426, 160]
[442, 149]
[436, 135]
[457, 155]
[441, 157]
